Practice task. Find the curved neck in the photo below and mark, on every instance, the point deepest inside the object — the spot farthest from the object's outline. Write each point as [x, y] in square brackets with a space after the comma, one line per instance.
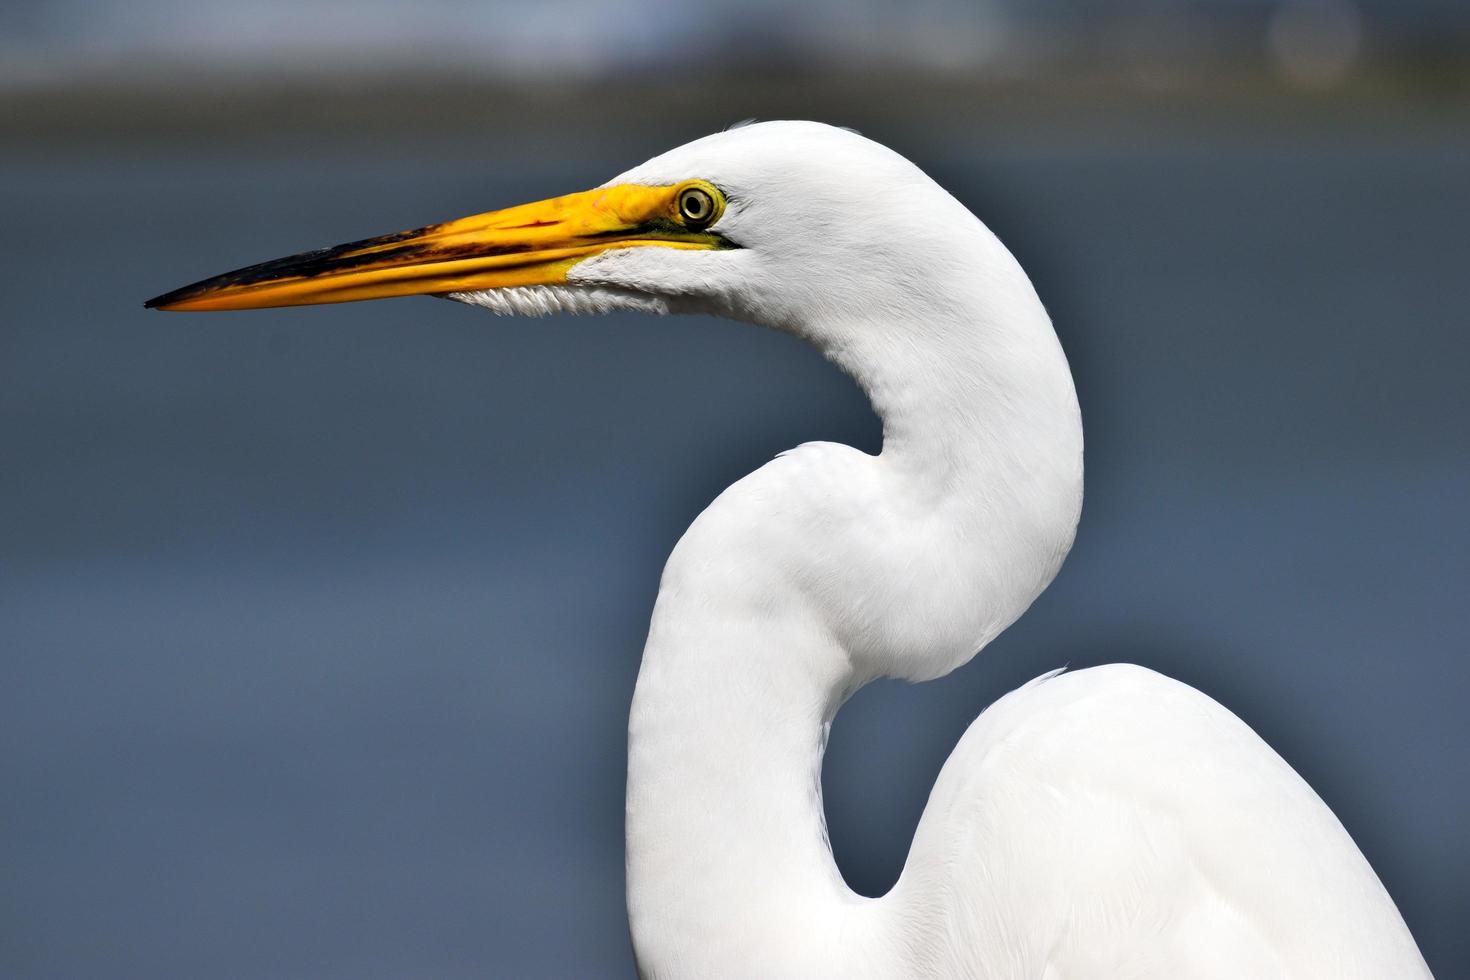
[729, 869]
[805, 580]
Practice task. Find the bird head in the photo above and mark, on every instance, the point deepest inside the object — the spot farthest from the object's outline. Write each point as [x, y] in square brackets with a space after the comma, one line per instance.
[771, 223]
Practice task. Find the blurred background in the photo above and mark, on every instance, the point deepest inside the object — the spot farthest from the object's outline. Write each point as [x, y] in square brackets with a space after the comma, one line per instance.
[318, 627]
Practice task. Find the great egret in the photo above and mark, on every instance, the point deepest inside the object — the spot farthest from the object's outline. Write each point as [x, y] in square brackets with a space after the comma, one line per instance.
[1102, 823]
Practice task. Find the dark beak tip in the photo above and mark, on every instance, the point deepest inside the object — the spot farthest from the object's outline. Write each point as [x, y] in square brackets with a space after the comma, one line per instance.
[165, 301]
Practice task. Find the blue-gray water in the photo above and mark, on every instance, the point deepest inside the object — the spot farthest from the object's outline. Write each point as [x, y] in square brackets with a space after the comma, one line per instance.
[318, 627]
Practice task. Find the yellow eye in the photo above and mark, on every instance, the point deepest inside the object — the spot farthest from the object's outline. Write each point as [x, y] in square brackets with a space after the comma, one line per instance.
[697, 206]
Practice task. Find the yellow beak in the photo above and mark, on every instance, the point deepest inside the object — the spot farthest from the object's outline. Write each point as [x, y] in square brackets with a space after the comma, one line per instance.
[530, 245]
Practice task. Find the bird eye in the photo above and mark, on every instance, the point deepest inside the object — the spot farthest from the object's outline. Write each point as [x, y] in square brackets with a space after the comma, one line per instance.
[697, 206]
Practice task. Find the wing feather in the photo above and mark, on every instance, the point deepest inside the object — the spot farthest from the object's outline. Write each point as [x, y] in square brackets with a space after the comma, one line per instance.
[1115, 823]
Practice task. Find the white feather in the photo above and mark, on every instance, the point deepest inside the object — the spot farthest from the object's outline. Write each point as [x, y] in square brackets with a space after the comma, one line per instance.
[541, 301]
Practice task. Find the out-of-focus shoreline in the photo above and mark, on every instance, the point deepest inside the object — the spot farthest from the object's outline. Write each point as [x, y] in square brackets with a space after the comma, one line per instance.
[186, 104]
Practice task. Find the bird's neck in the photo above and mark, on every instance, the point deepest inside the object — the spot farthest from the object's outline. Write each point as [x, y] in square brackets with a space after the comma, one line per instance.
[729, 870]
[802, 582]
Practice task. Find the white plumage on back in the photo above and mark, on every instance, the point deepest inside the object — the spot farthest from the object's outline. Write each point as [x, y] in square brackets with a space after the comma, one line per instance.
[1115, 823]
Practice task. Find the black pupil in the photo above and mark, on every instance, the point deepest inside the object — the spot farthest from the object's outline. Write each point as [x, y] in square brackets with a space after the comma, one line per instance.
[696, 205]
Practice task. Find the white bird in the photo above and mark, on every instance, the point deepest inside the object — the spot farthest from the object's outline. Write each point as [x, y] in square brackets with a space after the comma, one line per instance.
[1103, 823]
